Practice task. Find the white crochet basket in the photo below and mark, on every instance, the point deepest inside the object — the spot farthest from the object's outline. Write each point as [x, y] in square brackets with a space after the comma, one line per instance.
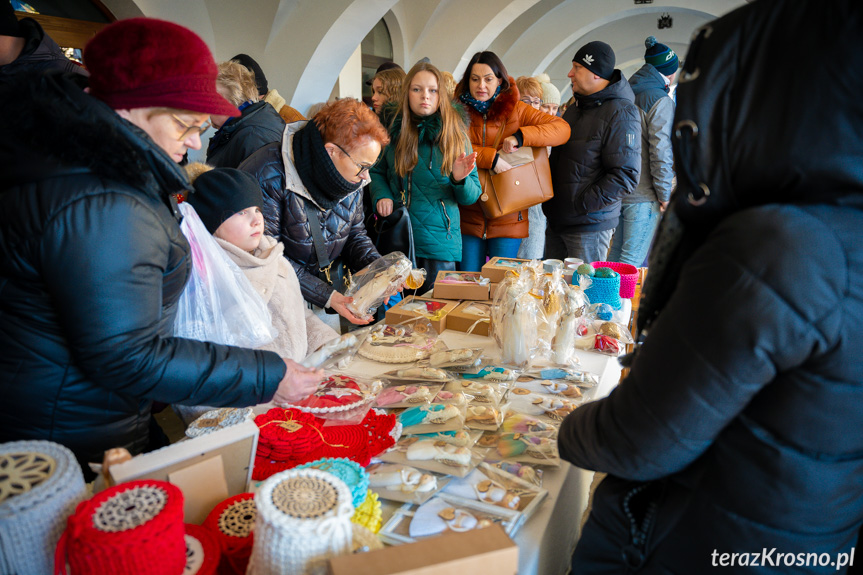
[41, 483]
[304, 517]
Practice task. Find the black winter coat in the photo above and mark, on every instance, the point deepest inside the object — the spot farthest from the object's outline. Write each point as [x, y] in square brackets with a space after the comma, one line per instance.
[92, 263]
[738, 427]
[600, 163]
[259, 125]
[285, 196]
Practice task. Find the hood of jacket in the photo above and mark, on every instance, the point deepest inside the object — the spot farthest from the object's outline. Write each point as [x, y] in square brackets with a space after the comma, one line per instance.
[61, 139]
[741, 140]
[647, 78]
[617, 89]
[503, 105]
[293, 181]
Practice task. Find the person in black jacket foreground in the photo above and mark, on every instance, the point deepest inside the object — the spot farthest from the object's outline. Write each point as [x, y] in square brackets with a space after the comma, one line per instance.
[317, 173]
[737, 430]
[92, 259]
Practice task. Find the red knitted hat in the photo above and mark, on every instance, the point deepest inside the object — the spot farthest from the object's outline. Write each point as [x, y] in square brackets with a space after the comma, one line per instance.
[149, 63]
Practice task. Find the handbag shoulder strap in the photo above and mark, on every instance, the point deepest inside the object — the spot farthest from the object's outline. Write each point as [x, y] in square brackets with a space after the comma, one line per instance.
[317, 236]
[499, 136]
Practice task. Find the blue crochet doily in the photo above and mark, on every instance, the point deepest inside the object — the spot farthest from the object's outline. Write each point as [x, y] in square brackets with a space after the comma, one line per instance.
[354, 476]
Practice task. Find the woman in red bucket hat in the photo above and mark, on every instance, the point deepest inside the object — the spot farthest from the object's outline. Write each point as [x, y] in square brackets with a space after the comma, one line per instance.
[92, 259]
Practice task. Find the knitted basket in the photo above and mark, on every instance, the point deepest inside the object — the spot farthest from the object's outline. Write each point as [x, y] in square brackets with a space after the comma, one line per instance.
[233, 522]
[628, 276]
[603, 290]
[40, 485]
[132, 528]
[304, 518]
[202, 551]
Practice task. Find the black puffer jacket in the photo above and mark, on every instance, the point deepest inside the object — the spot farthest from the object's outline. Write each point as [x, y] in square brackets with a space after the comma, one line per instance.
[600, 164]
[40, 53]
[743, 408]
[285, 196]
[259, 125]
[92, 263]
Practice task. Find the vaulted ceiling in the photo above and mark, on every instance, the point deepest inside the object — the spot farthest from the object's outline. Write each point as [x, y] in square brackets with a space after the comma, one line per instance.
[304, 44]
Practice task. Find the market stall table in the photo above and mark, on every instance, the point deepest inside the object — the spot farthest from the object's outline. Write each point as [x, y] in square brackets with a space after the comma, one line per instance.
[546, 540]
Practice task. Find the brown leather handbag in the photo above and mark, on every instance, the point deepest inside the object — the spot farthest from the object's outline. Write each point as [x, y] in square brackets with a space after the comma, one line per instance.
[517, 189]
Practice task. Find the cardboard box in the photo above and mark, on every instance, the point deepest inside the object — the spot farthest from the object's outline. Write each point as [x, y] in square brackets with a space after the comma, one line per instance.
[461, 318]
[470, 288]
[492, 290]
[495, 269]
[398, 314]
[487, 550]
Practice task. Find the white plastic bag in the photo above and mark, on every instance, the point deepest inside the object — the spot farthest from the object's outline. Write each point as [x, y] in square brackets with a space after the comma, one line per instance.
[219, 304]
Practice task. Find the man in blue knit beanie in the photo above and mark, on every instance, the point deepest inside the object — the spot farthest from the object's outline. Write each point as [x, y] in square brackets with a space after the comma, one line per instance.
[641, 210]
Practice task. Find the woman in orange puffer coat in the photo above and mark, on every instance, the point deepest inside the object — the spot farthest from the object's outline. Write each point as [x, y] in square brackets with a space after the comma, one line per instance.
[492, 101]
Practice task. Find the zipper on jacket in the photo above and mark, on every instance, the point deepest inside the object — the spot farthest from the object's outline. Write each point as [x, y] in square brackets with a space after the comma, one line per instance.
[448, 221]
[484, 116]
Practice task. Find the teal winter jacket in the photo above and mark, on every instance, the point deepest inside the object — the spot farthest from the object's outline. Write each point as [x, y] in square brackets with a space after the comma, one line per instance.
[433, 199]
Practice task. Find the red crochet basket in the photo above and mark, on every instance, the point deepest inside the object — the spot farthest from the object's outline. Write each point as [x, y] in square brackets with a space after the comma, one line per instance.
[628, 276]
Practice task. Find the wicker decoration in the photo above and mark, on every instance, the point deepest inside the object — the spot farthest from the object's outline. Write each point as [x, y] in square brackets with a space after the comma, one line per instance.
[202, 551]
[132, 528]
[216, 419]
[303, 519]
[369, 513]
[232, 522]
[40, 485]
[354, 476]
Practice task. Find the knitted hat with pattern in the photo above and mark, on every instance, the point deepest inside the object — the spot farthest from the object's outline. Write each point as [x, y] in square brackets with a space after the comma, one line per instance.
[660, 57]
[149, 63]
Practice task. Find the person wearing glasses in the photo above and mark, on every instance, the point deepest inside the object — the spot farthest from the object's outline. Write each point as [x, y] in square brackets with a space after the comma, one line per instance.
[238, 138]
[312, 183]
[92, 258]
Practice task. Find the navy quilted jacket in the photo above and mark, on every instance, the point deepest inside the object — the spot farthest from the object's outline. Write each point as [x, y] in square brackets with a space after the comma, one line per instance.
[285, 218]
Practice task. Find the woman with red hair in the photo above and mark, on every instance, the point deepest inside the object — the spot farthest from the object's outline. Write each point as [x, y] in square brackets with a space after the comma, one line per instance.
[312, 182]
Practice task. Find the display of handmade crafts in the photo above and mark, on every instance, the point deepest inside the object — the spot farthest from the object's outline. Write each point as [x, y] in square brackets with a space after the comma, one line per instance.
[439, 515]
[483, 417]
[332, 350]
[435, 413]
[377, 281]
[536, 446]
[233, 522]
[402, 478]
[399, 394]
[524, 401]
[420, 374]
[464, 278]
[440, 451]
[405, 343]
[492, 373]
[477, 392]
[216, 419]
[479, 486]
[464, 357]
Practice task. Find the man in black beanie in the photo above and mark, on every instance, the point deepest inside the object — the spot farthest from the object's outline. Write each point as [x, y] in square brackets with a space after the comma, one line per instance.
[599, 164]
[24, 46]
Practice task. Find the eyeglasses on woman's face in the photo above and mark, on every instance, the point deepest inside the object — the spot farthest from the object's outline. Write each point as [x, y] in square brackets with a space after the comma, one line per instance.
[189, 130]
[362, 167]
[535, 102]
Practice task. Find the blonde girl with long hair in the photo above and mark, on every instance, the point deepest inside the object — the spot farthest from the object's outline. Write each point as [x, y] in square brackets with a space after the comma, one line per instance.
[429, 167]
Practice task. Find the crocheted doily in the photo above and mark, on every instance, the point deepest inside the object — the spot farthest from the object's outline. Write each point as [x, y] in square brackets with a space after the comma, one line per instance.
[238, 519]
[129, 509]
[354, 476]
[305, 497]
[202, 551]
[217, 419]
[20, 472]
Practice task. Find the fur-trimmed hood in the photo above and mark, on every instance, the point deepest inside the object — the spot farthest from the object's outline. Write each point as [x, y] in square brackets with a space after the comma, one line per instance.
[60, 129]
[503, 105]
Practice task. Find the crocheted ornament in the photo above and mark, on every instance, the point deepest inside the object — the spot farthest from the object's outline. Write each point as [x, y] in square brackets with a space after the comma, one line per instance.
[337, 393]
[303, 519]
[217, 419]
[134, 528]
[400, 344]
[354, 476]
[232, 523]
[202, 551]
[369, 512]
[40, 485]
